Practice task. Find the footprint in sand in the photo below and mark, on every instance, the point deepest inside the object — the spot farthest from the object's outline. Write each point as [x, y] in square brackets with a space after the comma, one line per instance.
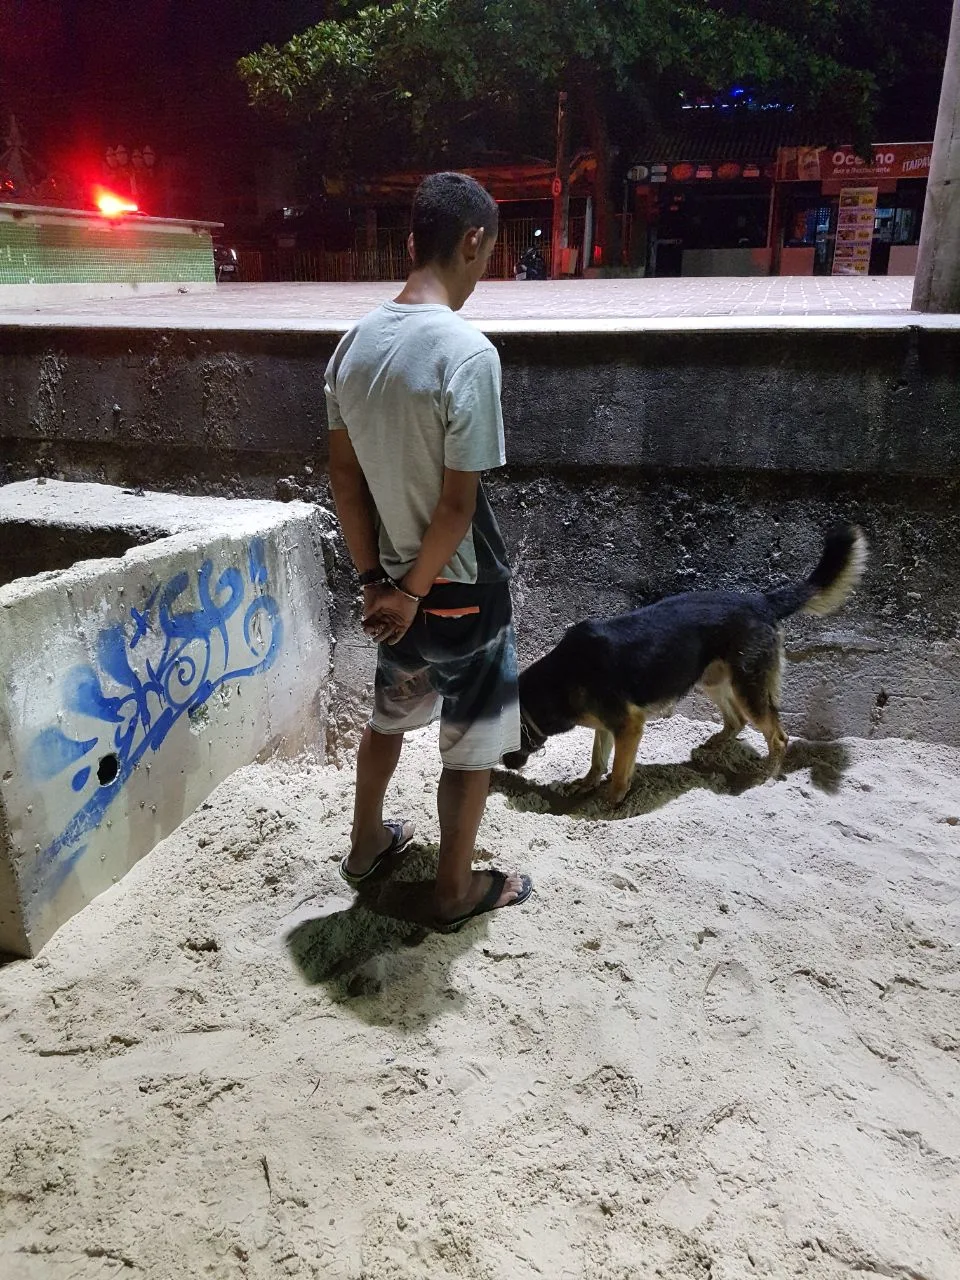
[730, 1001]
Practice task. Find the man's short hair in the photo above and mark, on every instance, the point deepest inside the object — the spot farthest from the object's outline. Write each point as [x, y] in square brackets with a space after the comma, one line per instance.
[445, 207]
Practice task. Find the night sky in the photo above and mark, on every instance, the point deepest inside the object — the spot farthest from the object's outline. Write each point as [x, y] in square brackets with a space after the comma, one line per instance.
[83, 74]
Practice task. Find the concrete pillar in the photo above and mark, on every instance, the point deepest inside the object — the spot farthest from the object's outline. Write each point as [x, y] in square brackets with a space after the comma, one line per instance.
[937, 283]
[588, 235]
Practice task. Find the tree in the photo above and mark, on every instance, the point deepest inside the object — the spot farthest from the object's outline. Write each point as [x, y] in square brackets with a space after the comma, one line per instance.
[422, 72]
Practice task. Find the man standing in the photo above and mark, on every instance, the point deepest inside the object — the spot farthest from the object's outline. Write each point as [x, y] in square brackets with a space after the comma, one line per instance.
[413, 400]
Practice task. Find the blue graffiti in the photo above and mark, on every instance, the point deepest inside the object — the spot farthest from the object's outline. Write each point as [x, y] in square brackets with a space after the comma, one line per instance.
[138, 699]
[142, 620]
[52, 751]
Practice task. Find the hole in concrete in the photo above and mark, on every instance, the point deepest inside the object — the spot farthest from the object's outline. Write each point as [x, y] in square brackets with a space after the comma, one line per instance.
[107, 770]
[28, 547]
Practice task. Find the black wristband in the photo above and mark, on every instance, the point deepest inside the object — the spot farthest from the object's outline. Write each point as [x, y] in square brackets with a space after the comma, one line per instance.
[373, 577]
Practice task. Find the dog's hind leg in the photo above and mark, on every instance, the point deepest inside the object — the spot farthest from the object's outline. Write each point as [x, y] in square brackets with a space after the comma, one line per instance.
[625, 744]
[757, 694]
[723, 698]
[715, 683]
[771, 726]
[599, 762]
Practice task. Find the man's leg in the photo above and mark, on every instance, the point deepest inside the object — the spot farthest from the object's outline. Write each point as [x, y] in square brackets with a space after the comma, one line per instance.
[461, 800]
[376, 762]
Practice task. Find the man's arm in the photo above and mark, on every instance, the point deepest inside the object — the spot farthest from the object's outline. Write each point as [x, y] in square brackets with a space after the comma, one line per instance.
[355, 509]
[392, 613]
[448, 527]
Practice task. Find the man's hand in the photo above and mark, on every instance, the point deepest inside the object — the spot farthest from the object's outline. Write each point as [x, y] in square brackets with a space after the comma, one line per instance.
[387, 614]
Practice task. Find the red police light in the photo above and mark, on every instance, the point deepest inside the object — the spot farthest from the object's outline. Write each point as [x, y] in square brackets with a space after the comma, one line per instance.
[113, 206]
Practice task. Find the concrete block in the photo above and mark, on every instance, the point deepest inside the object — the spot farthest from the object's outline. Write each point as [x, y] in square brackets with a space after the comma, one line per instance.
[133, 685]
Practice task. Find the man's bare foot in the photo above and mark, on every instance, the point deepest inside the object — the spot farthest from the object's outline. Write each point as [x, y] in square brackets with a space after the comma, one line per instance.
[362, 856]
[455, 908]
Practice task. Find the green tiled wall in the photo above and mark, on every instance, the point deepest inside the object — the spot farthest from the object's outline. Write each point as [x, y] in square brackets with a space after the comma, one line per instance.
[53, 253]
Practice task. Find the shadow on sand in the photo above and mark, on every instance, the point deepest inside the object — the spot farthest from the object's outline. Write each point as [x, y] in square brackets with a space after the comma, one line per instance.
[726, 768]
[362, 948]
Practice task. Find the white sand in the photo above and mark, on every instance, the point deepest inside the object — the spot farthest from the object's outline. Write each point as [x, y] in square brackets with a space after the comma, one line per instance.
[722, 1041]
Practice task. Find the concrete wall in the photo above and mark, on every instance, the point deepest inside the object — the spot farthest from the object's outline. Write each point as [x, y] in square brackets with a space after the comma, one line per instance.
[903, 260]
[727, 262]
[222, 414]
[798, 261]
[717, 459]
[640, 463]
[132, 686]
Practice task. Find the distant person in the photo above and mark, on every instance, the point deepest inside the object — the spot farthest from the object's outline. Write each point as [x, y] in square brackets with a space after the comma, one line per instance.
[413, 398]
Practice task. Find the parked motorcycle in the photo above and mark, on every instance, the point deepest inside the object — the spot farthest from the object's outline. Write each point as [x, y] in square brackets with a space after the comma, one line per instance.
[532, 265]
[226, 264]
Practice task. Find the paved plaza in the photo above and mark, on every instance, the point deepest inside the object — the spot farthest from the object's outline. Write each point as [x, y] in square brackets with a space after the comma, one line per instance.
[499, 306]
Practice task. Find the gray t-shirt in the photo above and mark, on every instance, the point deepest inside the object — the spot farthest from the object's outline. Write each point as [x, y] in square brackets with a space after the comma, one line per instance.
[418, 389]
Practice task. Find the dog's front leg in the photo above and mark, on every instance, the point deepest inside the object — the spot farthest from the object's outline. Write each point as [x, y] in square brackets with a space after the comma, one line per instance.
[625, 747]
[599, 762]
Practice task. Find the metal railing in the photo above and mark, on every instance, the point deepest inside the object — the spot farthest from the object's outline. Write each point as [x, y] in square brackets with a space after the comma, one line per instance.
[389, 260]
[309, 265]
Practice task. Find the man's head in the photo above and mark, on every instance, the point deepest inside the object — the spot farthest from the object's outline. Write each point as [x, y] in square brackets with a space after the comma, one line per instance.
[453, 229]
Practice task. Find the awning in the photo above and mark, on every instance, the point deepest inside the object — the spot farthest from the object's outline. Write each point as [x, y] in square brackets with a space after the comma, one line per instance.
[522, 181]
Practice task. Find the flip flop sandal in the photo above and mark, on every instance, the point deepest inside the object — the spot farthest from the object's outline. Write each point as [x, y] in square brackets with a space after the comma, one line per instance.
[398, 842]
[489, 901]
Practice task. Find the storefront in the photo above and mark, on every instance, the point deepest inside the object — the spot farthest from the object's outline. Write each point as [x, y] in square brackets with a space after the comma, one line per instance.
[705, 218]
[523, 190]
[838, 214]
[709, 206]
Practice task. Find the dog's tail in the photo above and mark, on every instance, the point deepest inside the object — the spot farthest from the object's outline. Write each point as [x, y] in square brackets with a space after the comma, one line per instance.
[825, 590]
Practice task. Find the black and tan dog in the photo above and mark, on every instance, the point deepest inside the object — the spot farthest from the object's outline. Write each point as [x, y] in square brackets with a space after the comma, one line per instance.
[614, 674]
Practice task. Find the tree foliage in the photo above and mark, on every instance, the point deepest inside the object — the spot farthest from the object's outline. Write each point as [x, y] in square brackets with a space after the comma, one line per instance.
[419, 67]
[388, 83]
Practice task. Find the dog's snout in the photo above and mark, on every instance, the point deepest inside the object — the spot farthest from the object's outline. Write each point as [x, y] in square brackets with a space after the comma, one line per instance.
[515, 759]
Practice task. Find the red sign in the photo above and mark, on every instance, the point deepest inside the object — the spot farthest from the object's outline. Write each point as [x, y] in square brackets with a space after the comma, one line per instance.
[686, 171]
[834, 164]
